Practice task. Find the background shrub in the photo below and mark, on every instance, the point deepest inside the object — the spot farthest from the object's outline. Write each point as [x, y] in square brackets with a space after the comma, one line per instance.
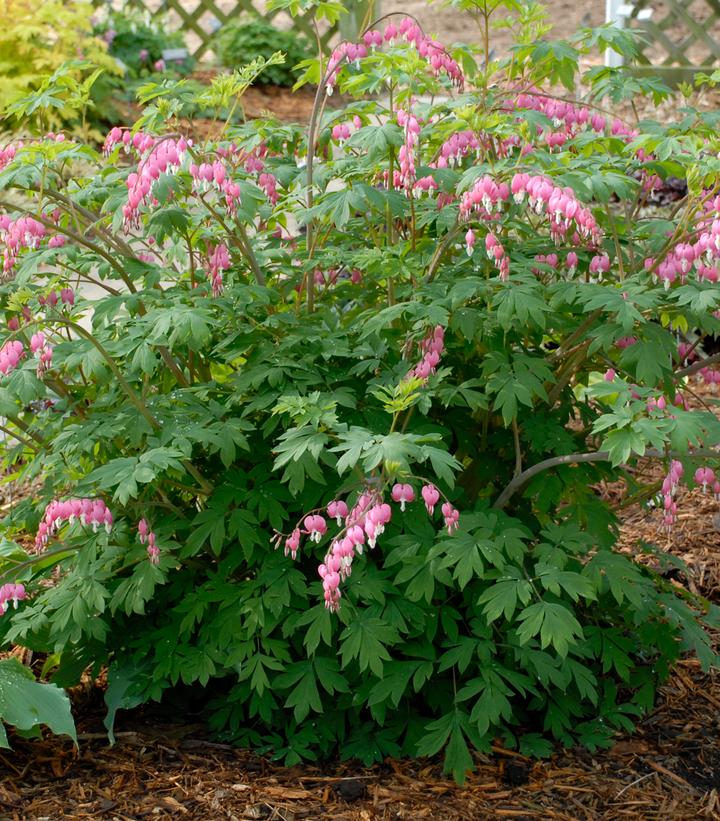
[39, 36]
[477, 316]
[246, 38]
[138, 40]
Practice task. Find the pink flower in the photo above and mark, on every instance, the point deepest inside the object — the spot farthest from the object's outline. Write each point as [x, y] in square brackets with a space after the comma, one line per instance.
[219, 260]
[37, 341]
[292, 543]
[22, 233]
[43, 350]
[469, 242]
[403, 494]
[377, 517]
[10, 355]
[11, 593]
[704, 477]
[451, 517]
[431, 496]
[432, 348]
[356, 535]
[148, 536]
[316, 527]
[337, 510]
[153, 551]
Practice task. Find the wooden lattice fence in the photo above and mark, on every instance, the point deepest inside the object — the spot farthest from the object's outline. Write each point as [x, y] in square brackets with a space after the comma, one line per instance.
[200, 19]
[679, 37]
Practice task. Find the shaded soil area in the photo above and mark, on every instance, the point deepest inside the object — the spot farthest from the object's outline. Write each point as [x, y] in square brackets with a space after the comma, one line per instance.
[669, 770]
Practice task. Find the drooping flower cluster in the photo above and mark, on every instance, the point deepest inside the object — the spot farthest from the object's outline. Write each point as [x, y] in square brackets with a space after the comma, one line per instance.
[147, 537]
[156, 157]
[22, 233]
[218, 261]
[208, 175]
[701, 253]
[408, 31]
[292, 543]
[566, 214]
[11, 593]
[669, 491]
[451, 517]
[10, 355]
[432, 348]
[7, 154]
[496, 254]
[350, 52]
[484, 199]
[456, 147]
[710, 376]
[361, 525]
[408, 150]
[568, 119]
[140, 141]
[44, 352]
[705, 477]
[67, 297]
[90, 512]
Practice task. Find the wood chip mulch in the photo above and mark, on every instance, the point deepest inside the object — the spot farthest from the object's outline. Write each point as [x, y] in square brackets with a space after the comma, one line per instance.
[670, 769]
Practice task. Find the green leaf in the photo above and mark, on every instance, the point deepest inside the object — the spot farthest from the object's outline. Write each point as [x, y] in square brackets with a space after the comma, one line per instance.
[26, 703]
[503, 596]
[555, 623]
[119, 695]
[365, 639]
[449, 730]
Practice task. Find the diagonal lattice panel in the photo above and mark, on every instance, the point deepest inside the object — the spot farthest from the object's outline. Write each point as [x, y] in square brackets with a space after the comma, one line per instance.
[200, 19]
[680, 32]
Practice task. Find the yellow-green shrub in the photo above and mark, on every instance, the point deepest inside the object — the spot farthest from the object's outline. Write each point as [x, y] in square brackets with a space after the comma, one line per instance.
[37, 36]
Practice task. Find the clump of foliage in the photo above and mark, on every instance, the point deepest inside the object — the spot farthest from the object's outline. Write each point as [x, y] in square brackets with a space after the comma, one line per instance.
[139, 40]
[37, 37]
[477, 317]
[246, 38]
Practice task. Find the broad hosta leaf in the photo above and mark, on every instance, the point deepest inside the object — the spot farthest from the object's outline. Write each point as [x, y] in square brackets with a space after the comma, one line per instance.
[27, 704]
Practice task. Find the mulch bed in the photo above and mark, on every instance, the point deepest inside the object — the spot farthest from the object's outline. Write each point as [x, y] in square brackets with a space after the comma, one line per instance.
[670, 769]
